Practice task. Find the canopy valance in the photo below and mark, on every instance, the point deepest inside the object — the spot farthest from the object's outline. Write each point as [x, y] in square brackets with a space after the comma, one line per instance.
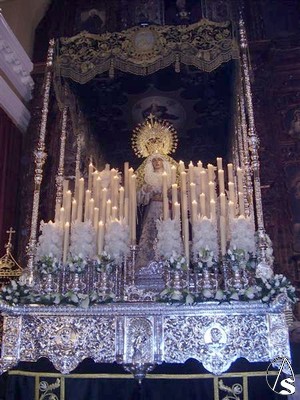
[144, 50]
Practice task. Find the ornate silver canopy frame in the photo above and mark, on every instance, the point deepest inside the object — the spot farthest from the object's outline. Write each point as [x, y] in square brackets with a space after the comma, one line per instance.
[142, 334]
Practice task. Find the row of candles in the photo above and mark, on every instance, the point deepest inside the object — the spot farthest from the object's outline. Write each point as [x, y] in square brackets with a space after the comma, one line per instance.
[197, 193]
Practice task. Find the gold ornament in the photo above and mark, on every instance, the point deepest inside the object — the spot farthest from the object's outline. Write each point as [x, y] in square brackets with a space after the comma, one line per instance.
[154, 136]
[9, 267]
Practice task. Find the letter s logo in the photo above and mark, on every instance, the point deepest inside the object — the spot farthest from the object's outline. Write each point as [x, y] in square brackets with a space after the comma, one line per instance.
[288, 384]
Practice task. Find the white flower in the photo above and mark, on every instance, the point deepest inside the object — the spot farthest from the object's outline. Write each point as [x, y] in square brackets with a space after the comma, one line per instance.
[264, 271]
[243, 235]
[169, 240]
[204, 237]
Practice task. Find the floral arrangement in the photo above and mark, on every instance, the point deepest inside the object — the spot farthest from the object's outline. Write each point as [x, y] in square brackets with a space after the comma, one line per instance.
[204, 236]
[77, 264]
[176, 262]
[104, 263]
[15, 292]
[243, 235]
[50, 241]
[205, 259]
[169, 239]
[276, 285]
[83, 240]
[48, 265]
[117, 240]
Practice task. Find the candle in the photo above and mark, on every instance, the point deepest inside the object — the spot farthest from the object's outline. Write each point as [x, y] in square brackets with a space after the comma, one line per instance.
[202, 205]
[95, 177]
[186, 240]
[103, 205]
[126, 210]
[96, 218]
[80, 199]
[66, 241]
[199, 165]
[68, 205]
[221, 181]
[90, 176]
[223, 204]
[240, 179]
[100, 237]
[74, 210]
[176, 214]
[193, 192]
[174, 193]
[57, 211]
[241, 203]
[230, 172]
[91, 210]
[231, 210]
[121, 203]
[165, 196]
[211, 172]
[194, 211]
[231, 192]
[116, 191]
[203, 177]
[212, 190]
[65, 188]
[97, 194]
[87, 204]
[108, 210]
[219, 163]
[173, 174]
[62, 216]
[114, 213]
[183, 182]
[181, 166]
[191, 171]
[126, 183]
[213, 210]
[223, 235]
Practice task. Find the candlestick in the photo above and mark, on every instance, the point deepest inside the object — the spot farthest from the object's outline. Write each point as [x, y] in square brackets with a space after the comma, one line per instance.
[133, 210]
[80, 199]
[108, 210]
[176, 214]
[223, 204]
[213, 210]
[194, 211]
[103, 205]
[126, 182]
[223, 235]
[91, 210]
[66, 241]
[211, 172]
[100, 237]
[219, 163]
[68, 200]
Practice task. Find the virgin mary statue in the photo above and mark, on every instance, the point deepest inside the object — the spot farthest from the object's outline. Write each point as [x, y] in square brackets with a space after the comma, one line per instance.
[153, 139]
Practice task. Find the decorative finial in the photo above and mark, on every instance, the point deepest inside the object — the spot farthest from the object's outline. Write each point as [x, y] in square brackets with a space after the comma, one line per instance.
[9, 267]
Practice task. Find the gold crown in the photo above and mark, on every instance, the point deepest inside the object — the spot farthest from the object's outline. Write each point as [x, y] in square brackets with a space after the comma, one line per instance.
[9, 267]
[154, 136]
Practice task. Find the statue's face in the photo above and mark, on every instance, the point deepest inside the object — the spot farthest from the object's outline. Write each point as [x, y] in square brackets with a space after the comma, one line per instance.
[157, 164]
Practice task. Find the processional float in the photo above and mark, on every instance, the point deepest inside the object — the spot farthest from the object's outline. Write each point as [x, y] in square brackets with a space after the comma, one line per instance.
[87, 291]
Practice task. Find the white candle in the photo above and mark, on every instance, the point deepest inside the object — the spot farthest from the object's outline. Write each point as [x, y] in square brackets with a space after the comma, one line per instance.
[191, 171]
[65, 189]
[74, 210]
[96, 218]
[176, 211]
[241, 203]
[121, 203]
[165, 196]
[203, 177]
[231, 210]
[173, 174]
[68, 205]
[183, 182]
[126, 210]
[193, 191]
[57, 211]
[95, 177]
[186, 241]
[213, 210]
[174, 193]
[91, 210]
[240, 179]
[87, 205]
[211, 172]
[230, 172]
[202, 205]
[114, 213]
[80, 199]
[97, 193]
[103, 205]
[66, 241]
[194, 211]
[100, 237]
[223, 204]
[181, 166]
[221, 181]
[108, 210]
[219, 163]
[90, 176]
[212, 190]
[62, 216]
[126, 183]
[199, 165]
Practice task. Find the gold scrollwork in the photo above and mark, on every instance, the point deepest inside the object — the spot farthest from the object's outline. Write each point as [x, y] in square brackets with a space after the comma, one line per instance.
[47, 390]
